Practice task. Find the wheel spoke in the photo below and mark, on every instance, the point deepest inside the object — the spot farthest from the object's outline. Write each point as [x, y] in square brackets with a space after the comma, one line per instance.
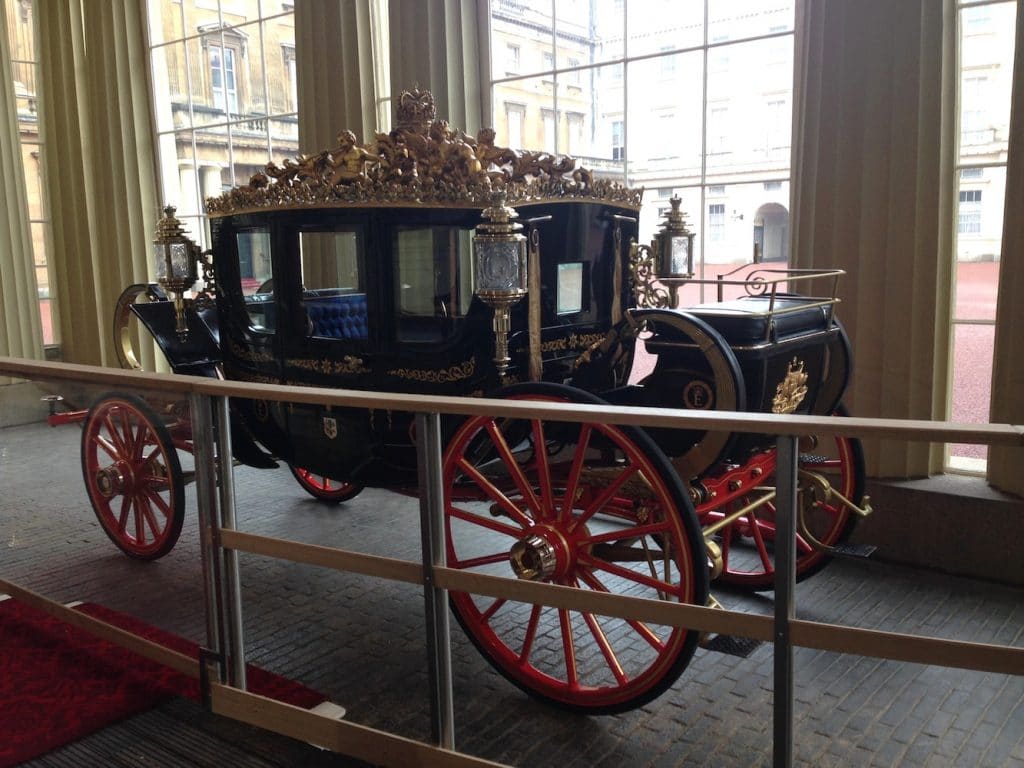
[606, 649]
[516, 471]
[476, 562]
[540, 455]
[573, 480]
[645, 632]
[154, 496]
[605, 497]
[115, 436]
[495, 494]
[634, 531]
[122, 517]
[486, 615]
[531, 635]
[484, 522]
[107, 446]
[635, 576]
[762, 550]
[568, 648]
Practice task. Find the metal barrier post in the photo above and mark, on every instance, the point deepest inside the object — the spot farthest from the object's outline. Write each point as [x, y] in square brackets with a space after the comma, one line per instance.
[206, 497]
[232, 580]
[439, 656]
[785, 587]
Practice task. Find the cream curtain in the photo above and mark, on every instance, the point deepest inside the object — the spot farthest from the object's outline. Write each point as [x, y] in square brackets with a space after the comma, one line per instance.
[337, 60]
[435, 44]
[21, 333]
[100, 164]
[872, 170]
[1006, 465]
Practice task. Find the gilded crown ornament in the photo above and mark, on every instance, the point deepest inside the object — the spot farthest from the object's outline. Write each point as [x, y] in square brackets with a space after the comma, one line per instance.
[422, 161]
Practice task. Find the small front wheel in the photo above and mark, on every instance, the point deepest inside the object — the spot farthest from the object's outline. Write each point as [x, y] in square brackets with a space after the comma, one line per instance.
[591, 506]
[133, 476]
[324, 488]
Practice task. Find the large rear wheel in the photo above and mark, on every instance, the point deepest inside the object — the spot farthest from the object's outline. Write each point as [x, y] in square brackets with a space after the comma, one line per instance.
[830, 470]
[591, 506]
[133, 476]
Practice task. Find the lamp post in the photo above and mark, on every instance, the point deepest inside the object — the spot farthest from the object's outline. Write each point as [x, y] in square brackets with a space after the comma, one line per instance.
[499, 254]
[176, 258]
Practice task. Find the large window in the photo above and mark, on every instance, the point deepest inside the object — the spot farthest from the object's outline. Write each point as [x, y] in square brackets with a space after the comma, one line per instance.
[621, 85]
[224, 86]
[24, 67]
[986, 45]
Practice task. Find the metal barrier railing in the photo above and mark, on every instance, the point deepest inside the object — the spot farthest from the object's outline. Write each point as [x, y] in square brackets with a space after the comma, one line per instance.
[221, 541]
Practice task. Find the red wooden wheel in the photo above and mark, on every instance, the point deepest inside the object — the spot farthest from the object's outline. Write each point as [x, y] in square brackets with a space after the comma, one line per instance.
[133, 476]
[592, 506]
[748, 544]
[324, 488]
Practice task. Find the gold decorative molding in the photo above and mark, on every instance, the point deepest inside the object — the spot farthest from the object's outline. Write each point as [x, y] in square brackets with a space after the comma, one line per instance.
[643, 276]
[423, 161]
[249, 355]
[349, 364]
[572, 341]
[453, 373]
[791, 390]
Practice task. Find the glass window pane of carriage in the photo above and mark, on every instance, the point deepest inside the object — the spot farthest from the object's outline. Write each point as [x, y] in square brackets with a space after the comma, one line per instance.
[664, 25]
[254, 270]
[986, 70]
[663, 140]
[331, 261]
[433, 279]
[749, 108]
[970, 393]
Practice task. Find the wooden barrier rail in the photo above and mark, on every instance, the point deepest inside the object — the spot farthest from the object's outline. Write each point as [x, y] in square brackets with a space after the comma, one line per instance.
[387, 749]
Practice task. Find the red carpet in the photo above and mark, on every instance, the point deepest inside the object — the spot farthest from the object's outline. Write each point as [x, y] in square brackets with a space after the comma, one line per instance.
[59, 683]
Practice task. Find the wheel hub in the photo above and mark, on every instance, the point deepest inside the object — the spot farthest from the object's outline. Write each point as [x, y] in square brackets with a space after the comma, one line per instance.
[110, 481]
[540, 555]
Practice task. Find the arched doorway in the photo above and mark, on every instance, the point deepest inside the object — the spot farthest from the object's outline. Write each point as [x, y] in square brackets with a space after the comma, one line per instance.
[771, 233]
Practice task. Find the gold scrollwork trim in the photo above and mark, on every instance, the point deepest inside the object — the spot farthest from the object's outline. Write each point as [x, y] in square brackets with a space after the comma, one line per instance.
[250, 355]
[572, 341]
[349, 364]
[453, 373]
[642, 274]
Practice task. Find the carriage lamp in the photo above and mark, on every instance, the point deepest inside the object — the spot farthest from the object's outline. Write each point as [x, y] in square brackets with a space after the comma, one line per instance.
[499, 255]
[176, 258]
[673, 244]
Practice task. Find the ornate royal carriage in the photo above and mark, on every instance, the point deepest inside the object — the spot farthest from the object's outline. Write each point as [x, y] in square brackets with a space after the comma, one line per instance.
[428, 261]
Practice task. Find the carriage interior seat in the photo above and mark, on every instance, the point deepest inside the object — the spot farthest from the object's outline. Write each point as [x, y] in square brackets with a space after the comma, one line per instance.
[753, 319]
[337, 316]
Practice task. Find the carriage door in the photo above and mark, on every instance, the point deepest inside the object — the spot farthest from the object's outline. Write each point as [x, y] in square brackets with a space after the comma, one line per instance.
[330, 344]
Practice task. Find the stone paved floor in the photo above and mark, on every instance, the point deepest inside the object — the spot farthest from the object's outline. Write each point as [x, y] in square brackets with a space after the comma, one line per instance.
[360, 641]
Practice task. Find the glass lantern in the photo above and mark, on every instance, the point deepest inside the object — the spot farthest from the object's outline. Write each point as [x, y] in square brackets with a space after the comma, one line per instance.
[673, 244]
[176, 258]
[500, 259]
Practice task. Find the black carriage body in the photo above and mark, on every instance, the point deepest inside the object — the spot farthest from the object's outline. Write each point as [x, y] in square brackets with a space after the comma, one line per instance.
[381, 298]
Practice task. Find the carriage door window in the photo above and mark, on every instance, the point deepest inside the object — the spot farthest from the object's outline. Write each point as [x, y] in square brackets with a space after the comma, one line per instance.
[333, 291]
[254, 271]
[433, 281]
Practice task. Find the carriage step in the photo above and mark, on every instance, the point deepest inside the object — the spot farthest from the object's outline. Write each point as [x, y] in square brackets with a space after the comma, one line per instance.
[854, 550]
[734, 646]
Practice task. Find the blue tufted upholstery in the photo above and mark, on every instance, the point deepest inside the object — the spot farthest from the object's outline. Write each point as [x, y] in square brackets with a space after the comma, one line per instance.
[338, 317]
